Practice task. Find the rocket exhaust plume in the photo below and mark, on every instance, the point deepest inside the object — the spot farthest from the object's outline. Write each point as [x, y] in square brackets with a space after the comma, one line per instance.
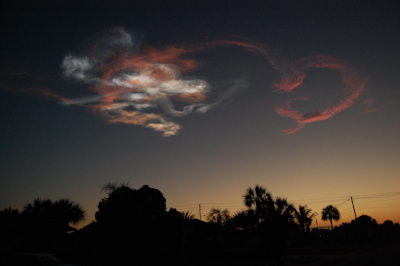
[292, 78]
[142, 86]
[131, 86]
[128, 84]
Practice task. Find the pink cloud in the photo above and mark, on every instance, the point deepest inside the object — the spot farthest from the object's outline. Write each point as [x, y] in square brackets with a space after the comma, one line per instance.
[354, 86]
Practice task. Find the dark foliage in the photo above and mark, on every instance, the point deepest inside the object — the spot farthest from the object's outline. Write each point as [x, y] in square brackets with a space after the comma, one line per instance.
[52, 217]
[330, 213]
[126, 207]
[134, 227]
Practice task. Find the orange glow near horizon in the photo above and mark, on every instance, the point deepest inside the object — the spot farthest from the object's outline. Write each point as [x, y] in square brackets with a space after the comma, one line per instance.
[224, 102]
[377, 211]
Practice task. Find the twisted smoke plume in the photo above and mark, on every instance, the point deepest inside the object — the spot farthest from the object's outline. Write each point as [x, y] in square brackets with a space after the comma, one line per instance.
[142, 85]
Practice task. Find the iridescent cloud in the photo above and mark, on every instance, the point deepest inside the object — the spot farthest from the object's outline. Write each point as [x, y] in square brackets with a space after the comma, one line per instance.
[142, 85]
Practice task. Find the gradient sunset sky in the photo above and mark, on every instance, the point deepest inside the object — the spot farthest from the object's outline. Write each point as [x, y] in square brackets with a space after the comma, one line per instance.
[301, 97]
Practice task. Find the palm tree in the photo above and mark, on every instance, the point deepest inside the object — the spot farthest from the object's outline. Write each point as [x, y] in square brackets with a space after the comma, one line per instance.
[330, 213]
[258, 199]
[244, 219]
[187, 215]
[68, 212]
[110, 187]
[304, 217]
[40, 213]
[54, 215]
[216, 216]
[284, 209]
[39, 207]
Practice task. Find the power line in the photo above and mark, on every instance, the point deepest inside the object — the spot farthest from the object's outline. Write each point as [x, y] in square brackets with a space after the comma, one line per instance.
[382, 195]
[379, 207]
[386, 205]
[314, 201]
[332, 198]
[186, 205]
[223, 203]
[342, 203]
[379, 200]
[346, 210]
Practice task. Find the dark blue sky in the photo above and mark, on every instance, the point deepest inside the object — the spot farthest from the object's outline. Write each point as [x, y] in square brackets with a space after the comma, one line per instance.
[50, 150]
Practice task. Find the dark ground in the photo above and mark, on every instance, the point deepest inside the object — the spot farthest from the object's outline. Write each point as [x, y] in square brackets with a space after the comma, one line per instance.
[387, 254]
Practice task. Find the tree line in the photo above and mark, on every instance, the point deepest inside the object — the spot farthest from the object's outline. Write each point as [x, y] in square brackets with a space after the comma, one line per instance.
[136, 223]
[264, 209]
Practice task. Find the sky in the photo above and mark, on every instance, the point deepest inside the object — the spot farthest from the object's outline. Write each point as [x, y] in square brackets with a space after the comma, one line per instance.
[202, 100]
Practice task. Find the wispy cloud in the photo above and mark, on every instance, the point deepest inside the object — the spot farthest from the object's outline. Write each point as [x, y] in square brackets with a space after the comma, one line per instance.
[294, 75]
[140, 85]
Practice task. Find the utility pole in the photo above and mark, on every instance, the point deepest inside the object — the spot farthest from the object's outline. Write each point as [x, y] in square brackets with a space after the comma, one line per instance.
[354, 209]
[200, 211]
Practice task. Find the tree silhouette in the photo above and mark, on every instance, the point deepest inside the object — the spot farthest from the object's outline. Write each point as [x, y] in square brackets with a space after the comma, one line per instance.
[259, 200]
[187, 215]
[10, 219]
[56, 215]
[330, 213]
[283, 210]
[68, 212]
[304, 217]
[218, 217]
[110, 187]
[136, 224]
[245, 219]
[178, 218]
[125, 206]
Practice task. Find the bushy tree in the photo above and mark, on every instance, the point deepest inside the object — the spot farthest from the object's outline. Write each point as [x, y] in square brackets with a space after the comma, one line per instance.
[134, 224]
[125, 206]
